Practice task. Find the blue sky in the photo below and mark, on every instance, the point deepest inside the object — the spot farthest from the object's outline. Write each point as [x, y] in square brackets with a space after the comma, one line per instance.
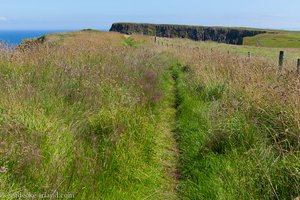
[100, 14]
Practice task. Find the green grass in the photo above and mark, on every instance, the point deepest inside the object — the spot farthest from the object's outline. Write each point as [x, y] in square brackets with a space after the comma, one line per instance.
[130, 42]
[263, 53]
[99, 116]
[275, 39]
[231, 155]
[85, 121]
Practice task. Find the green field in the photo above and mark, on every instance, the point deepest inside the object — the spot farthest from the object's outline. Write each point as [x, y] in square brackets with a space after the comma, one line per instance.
[270, 54]
[98, 115]
[282, 39]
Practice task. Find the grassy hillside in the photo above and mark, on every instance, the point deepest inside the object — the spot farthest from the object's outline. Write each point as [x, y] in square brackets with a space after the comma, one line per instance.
[86, 115]
[95, 115]
[238, 128]
[267, 54]
[280, 39]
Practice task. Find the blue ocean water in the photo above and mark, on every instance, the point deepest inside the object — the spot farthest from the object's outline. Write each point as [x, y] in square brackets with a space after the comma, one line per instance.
[15, 37]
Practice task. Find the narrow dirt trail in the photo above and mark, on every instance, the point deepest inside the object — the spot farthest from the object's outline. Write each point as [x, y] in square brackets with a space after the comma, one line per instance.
[170, 154]
[170, 157]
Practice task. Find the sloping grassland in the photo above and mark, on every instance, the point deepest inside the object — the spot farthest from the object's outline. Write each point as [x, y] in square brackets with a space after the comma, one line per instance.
[95, 115]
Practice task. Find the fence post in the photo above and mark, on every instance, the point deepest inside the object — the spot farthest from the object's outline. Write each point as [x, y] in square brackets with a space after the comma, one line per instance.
[281, 57]
[298, 66]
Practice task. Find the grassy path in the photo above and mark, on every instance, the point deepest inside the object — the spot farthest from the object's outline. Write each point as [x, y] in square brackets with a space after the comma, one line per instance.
[168, 149]
[97, 121]
[228, 154]
[104, 121]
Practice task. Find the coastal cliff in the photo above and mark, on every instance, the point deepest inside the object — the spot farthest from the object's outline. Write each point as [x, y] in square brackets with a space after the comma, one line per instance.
[197, 33]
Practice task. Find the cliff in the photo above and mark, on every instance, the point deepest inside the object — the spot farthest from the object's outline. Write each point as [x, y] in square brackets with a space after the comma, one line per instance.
[198, 33]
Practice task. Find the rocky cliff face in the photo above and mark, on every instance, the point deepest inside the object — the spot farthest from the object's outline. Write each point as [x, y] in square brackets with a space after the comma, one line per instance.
[198, 33]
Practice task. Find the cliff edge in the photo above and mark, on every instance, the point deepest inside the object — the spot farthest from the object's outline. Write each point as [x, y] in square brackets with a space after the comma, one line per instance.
[198, 33]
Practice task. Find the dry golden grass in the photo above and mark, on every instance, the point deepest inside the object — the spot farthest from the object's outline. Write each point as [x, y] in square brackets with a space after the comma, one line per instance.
[258, 78]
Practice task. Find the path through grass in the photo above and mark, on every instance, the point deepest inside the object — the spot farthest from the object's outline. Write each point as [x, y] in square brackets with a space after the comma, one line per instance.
[95, 115]
[85, 115]
[229, 150]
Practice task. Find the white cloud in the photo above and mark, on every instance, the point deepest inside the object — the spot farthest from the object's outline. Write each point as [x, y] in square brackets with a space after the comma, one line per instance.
[3, 19]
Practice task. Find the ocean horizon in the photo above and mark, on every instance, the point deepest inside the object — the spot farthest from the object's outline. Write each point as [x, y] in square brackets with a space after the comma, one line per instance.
[15, 37]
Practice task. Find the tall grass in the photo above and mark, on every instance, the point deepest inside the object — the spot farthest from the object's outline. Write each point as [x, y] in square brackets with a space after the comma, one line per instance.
[268, 54]
[96, 116]
[238, 124]
[79, 114]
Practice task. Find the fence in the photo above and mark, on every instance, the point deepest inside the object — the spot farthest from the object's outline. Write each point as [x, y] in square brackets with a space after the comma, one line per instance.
[280, 61]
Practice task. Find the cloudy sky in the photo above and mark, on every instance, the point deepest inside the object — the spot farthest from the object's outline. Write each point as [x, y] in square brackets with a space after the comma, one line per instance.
[100, 14]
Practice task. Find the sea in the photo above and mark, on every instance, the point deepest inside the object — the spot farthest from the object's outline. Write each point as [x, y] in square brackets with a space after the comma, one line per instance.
[15, 37]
